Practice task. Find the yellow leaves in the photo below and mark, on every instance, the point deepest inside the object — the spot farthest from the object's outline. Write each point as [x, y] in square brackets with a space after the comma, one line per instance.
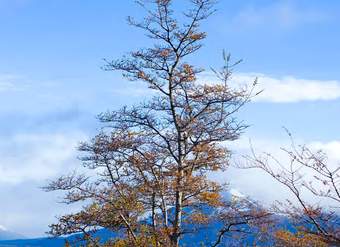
[211, 198]
[195, 37]
[210, 156]
[298, 239]
[207, 89]
[94, 207]
[146, 238]
[141, 74]
[187, 69]
[119, 243]
[166, 231]
[189, 73]
[200, 218]
[131, 134]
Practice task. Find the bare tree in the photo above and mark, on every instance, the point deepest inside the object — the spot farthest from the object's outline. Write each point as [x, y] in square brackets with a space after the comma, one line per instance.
[307, 171]
[151, 160]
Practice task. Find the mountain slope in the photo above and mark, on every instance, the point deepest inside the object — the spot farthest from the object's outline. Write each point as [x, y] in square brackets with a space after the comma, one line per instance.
[206, 235]
[7, 235]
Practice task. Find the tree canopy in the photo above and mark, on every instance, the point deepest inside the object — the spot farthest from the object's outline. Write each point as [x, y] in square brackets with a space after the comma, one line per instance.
[149, 164]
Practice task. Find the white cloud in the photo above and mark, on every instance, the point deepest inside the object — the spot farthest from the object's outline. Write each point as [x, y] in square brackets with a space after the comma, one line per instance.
[27, 161]
[258, 185]
[332, 149]
[36, 157]
[235, 193]
[287, 89]
[2, 228]
[290, 89]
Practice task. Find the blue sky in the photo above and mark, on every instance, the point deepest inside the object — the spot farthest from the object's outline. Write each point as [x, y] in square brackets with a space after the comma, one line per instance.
[52, 87]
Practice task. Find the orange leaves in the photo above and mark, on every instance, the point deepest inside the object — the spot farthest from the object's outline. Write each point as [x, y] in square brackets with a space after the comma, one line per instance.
[164, 53]
[187, 73]
[187, 68]
[151, 159]
[214, 89]
[141, 75]
[312, 211]
[299, 239]
[211, 198]
[209, 156]
[197, 36]
[166, 230]
[199, 218]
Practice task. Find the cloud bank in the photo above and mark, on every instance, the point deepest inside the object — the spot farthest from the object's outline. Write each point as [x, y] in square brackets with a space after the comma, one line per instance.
[259, 185]
[289, 89]
[36, 157]
[286, 89]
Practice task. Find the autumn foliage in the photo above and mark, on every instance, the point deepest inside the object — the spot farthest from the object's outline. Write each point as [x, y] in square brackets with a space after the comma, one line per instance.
[148, 166]
[147, 171]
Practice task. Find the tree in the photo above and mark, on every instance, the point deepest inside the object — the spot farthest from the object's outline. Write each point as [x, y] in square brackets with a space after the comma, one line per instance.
[306, 171]
[150, 161]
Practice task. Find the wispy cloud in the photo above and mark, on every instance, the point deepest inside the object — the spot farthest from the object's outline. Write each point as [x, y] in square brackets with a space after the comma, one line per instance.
[7, 83]
[284, 15]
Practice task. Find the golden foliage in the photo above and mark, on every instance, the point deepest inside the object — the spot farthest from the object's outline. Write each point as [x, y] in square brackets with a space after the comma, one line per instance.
[299, 239]
[211, 198]
[153, 158]
[199, 218]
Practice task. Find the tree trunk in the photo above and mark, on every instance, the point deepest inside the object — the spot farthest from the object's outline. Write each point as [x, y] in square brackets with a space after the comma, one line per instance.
[178, 210]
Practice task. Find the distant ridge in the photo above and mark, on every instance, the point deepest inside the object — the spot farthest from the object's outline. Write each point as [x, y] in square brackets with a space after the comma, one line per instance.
[7, 235]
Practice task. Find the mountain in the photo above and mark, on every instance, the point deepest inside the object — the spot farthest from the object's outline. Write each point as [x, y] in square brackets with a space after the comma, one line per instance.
[206, 235]
[52, 242]
[7, 235]
[37, 242]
